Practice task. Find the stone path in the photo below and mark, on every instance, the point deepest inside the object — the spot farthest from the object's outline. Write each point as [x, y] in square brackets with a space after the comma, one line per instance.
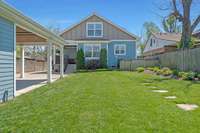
[170, 97]
[187, 107]
[160, 91]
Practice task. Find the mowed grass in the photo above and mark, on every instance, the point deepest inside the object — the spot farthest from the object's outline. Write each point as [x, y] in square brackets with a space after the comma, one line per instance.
[104, 102]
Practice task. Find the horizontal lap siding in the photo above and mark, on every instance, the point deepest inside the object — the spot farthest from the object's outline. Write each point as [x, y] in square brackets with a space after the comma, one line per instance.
[113, 60]
[6, 58]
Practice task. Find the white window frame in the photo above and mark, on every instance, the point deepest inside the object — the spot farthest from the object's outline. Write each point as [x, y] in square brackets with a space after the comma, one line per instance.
[92, 58]
[121, 45]
[94, 28]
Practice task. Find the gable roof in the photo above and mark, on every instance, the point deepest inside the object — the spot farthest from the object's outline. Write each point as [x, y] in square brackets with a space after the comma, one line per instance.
[106, 20]
[176, 37]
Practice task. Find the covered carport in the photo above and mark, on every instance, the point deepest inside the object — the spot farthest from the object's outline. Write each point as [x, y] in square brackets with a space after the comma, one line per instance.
[17, 29]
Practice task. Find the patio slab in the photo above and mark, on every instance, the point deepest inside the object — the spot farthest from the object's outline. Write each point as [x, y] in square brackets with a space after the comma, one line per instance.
[32, 81]
[160, 91]
[187, 107]
[170, 97]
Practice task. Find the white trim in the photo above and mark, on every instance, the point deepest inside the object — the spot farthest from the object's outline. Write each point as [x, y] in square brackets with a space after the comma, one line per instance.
[108, 21]
[91, 58]
[124, 45]
[123, 40]
[94, 29]
[14, 70]
[32, 43]
[62, 62]
[28, 24]
[49, 63]
[107, 54]
[22, 62]
[92, 41]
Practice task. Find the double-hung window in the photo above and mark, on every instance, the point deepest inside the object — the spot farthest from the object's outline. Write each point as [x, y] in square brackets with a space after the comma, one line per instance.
[120, 49]
[92, 51]
[94, 29]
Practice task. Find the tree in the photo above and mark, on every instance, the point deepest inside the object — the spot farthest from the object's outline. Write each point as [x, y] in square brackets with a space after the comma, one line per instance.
[149, 28]
[184, 16]
[141, 47]
[80, 59]
[103, 58]
[170, 25]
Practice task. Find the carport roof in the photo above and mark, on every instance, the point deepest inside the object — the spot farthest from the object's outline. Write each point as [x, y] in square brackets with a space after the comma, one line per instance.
[28, 24]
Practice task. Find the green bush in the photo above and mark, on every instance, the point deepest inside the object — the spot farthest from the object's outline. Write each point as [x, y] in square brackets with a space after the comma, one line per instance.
[198, 76]
[157, 70]
[187, 75]
[103, 58]
[92, 64]
[150, 68]
[80, 60]
[183, 75]
[176, 73]
[140, 69]
[166, 71]
[191, 75]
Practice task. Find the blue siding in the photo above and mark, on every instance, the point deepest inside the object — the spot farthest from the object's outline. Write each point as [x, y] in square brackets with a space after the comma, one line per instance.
[130, 52]
[113, 59]
[6, 59]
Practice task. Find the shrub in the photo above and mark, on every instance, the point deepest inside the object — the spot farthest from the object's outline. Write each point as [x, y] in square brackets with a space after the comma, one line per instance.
[140, 69]
[156, 69]
[150, 68]
[183, 75]
[198, 76]
[159, 72]
[187, 75]
[176, 73]
[191, 75]
[92, 64]
[166, 71]
[80, 61]
[103, 58]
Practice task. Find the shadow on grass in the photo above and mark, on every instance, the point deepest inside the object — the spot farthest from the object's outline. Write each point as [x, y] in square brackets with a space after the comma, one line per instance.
[96, 70]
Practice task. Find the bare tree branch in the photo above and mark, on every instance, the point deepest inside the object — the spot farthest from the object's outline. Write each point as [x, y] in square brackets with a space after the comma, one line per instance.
[176, 13]
[195, 23]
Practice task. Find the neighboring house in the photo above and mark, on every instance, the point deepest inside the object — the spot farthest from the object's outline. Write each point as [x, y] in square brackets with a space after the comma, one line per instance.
[161, 42]
[94, 33]
[197, 34]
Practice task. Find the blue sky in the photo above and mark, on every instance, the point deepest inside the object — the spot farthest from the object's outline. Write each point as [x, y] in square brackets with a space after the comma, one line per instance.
[130, 14]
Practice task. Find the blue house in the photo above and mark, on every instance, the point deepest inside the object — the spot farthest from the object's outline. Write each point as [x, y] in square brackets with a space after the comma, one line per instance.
[17, 29]
[94, 33]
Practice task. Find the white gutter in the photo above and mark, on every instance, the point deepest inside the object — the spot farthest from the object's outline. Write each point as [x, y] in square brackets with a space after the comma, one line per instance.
[28, 24]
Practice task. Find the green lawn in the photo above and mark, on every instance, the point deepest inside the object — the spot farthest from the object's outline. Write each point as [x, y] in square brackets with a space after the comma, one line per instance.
[104, 102]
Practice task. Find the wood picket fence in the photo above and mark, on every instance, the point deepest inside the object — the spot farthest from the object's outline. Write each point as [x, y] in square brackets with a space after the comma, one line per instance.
[184, 60]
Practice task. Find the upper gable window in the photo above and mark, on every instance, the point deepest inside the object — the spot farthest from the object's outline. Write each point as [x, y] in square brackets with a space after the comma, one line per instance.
[94, 29]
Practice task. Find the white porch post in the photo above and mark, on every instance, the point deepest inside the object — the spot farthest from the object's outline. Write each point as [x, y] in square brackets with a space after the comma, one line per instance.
[54, 55]
[22, 62]
[49, 63]
[62, 62]
[14, 72]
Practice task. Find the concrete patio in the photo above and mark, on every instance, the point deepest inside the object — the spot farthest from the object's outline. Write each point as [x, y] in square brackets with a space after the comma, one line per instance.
[33, 81]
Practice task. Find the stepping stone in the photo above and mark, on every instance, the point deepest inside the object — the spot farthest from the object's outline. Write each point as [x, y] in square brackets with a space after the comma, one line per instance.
[160, 91]
[152, 87]
[170, 97]
[146, 83]
[187, 107]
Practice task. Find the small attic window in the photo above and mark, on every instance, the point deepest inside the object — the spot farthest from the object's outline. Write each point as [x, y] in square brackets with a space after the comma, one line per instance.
[94, 29]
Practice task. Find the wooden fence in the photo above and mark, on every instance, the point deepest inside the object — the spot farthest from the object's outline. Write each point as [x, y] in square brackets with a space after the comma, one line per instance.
[130, 65]
[31, 65]
[184, 60]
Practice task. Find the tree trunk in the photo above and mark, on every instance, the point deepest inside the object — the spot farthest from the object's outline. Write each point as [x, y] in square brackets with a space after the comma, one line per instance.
[186, 32]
